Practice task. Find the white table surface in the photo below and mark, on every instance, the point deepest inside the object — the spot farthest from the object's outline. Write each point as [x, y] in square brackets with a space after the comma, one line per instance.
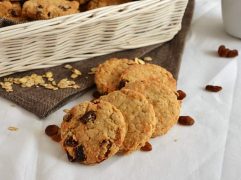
[209, 150]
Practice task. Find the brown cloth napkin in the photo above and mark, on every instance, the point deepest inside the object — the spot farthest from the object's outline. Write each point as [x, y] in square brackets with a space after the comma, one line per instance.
[42, 102]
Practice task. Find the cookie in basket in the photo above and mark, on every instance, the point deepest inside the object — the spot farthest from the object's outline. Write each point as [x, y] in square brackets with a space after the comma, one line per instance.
[11, 11]
[47, 9]
[108, 74]
[139, 116]
[164, 101]
[144, 71]
[93, 4]
[92, 132]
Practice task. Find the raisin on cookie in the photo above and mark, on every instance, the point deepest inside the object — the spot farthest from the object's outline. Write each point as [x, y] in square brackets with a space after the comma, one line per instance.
[144, 71]
[46, 9]
[139, 116]
[108, 74]
[92, 132]
[164, 101]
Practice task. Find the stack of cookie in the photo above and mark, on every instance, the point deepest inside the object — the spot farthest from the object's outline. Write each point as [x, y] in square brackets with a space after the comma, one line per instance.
[25, 10]
[139, 102]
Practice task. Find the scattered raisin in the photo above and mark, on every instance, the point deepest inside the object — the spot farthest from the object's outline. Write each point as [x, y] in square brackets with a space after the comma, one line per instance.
[225, 52]
[52, 130]
[79, 153]
[232, 53]
[70, 141]
[221, 47]
[147, 147]
[212, 88]
[222, 51]
[186, 120]
[88, 116]
[122, 83]
[57, 137]
[181, 95]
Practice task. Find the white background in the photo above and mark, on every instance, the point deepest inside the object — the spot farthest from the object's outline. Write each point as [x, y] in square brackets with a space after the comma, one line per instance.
[209, 150]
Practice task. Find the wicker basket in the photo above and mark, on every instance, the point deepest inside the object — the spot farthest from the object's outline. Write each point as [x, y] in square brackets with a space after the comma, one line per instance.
[43, 44]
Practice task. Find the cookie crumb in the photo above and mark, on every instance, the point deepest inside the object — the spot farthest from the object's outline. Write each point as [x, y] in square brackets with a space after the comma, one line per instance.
[147, 59]
[50, 86]
[68, 66]
[35, 80]
[7, 86]
[76, 71]
[74, 76]
[12, 128]
[54, 83]
[48, 74]
[139, 61]
[92, 70]
[65, 83]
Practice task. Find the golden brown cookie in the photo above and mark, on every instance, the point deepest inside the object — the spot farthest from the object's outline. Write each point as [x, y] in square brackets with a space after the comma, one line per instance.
[139, 116]
[108, 74]
[92, 132]
[144, 71]
[163, 99]
[46, 9]
[93, 4]
[11, 11]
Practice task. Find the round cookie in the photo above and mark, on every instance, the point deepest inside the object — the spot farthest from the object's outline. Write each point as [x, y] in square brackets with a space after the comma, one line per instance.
[92, 132]
[11, 10]
[143, 71]
[164, 101]
[47, 9]
[108, 74]
[139, 116]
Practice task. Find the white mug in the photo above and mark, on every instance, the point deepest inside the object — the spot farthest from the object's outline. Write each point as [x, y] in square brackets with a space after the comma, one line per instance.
[231, 11]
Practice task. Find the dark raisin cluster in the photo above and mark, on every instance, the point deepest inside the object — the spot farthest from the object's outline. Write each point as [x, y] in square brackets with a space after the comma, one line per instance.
[225, 52]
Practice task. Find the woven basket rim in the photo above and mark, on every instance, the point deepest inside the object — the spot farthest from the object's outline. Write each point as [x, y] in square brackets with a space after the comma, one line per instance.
[48, 43]
[82, 15]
